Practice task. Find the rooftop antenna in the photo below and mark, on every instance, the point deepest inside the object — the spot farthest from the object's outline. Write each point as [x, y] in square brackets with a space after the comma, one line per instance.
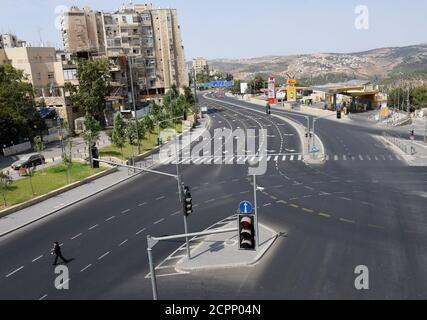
[40, 36]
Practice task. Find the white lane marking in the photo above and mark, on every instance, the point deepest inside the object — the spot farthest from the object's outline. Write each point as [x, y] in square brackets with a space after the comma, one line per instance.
[176, 212]
[210, 200]
[284, 158]
[344, 198]
[324, 215]
[14, 271]
[336, 157]
[344, 157]
[125, 211]
[142, 204]
[104, 255]
[347, 220]
[276, 158]
[360, 157]
[123, 242]
[299, 157]
[176, 257]
[158, 221]
[39, 257]
[42, 297]
[76, 236]
[227, 196]
[142, 230]
[267, 204]
[292, 157]
[93, 227]
[309, 188]
[243, 192]
[368, 157]
[110, 218]
[160, 198]
[87, 267]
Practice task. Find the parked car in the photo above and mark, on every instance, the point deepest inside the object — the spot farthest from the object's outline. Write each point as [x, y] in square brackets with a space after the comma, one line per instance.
[29, 160]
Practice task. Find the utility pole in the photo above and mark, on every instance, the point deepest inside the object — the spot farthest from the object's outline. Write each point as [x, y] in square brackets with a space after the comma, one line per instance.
[133, 103]
[256, 211]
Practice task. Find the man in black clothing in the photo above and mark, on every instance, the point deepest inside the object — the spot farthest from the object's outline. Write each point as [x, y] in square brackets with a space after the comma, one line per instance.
[57, 252]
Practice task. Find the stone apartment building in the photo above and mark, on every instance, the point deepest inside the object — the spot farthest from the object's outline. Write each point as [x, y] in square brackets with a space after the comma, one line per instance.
[200, 66]
[136, 38]
[9, 40]
[47, 75]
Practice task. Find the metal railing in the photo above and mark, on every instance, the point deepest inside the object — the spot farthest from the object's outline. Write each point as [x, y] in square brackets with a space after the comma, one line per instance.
[399, 143]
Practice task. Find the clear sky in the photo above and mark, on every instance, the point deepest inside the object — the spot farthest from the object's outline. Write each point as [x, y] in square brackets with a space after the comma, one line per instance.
[248, 28]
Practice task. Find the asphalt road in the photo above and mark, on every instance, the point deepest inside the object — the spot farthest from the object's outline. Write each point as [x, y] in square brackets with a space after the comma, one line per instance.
[366, 208]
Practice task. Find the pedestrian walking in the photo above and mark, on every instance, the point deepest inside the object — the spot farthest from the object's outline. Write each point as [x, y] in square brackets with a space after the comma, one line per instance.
[56, 250]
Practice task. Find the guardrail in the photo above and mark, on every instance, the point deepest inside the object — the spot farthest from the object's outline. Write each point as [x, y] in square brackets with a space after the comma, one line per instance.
[398, 143]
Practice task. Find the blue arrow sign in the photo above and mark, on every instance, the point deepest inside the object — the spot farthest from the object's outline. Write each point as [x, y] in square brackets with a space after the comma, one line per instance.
[245, 207]
[314, 149]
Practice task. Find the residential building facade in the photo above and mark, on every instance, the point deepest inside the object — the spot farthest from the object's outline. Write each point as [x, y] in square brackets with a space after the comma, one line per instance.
[200, 66]
[137, 39]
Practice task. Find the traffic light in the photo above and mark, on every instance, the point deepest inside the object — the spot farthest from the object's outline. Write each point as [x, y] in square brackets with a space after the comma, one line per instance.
[131, 138]
[338, 113]
[187, 201]
[95, 155]
[246, 231]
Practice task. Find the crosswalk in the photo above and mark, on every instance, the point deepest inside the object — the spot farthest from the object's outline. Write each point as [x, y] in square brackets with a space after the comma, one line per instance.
[244, 159]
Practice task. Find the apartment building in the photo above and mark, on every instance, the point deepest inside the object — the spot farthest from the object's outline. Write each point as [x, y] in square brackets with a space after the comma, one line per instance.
[200, 66]
[47, 75]
[136, 38]
[9, 40]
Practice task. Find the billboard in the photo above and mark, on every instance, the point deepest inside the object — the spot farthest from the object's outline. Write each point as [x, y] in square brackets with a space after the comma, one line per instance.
[291, 90]
[271, 90]
[243, 87]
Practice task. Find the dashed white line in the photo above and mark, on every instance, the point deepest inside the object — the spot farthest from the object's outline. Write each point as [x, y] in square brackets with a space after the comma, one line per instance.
[126, 211]
[347, 220]
[110, 218]
[104, 255]
[158, 221]
[76, 236]
[93, 227]
[267, 204]
[160, 198]
[14, 271]
[142, 204]
[87, 267]
[175, 213]
[123, 242]
[42, 297]
[210, 200]
[39, 257]
[142, 230]
[344, 198]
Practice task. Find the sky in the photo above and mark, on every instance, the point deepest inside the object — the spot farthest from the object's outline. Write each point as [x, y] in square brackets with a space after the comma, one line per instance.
[238, 29]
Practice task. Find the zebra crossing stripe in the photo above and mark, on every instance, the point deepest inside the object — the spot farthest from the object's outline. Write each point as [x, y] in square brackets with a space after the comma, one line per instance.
[276, 158]
[292, 158]
[344, 157]
[299, 157]
[360, 157]
[284, 158]
[336, 157]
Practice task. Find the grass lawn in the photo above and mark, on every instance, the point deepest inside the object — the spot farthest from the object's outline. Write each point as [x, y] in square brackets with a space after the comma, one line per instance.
[148, 143]
[44, 181]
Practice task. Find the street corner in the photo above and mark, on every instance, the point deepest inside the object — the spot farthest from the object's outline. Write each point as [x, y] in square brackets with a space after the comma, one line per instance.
[222, 251]
[314, 159]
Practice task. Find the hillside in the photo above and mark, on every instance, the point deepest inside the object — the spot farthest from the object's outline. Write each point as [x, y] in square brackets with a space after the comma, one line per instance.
[374, 64]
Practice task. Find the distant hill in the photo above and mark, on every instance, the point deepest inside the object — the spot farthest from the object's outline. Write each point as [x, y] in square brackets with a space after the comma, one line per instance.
[377, 64]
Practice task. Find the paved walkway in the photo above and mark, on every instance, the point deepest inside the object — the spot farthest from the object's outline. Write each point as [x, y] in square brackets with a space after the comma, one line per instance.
[414, 152]
[50, 206]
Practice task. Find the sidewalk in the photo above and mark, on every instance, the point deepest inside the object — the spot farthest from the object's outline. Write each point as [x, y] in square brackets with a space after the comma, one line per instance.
[414, 152]
[221, 250]
[50, 206]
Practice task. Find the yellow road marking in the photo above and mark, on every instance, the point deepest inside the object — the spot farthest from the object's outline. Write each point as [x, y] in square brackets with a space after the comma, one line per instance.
[346, 220]
[294, 205]
[324, 215]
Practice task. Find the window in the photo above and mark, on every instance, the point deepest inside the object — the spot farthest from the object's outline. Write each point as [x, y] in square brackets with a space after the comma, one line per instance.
[50, 76]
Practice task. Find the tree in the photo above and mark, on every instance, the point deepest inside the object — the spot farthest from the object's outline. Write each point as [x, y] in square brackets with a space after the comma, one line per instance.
[4, 181]
[94, 86]
[131, 129]
[18, 113]
[91, 133]
[118, 135]
[188, 95]
[419, 97]
[38, 144]
[256, 84]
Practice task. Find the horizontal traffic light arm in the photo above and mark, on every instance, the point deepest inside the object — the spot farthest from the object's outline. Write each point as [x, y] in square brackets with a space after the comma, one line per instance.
[137, 168]
[153, 240]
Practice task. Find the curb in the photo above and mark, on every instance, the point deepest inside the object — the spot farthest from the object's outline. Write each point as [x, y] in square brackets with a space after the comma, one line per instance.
[297, 127]
[234, 265]
[67, 205]
[81, 199]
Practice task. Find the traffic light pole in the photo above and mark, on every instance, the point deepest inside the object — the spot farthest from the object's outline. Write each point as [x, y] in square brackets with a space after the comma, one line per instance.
[134, 104]
[152, 241]
[256, 212]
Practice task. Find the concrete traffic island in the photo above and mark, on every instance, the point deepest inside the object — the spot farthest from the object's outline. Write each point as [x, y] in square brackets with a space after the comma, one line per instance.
[221, 251]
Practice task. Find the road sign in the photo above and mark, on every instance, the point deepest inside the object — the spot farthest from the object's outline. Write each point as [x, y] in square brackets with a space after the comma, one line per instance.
[314, 149]
[218, 84]
[245, 207]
